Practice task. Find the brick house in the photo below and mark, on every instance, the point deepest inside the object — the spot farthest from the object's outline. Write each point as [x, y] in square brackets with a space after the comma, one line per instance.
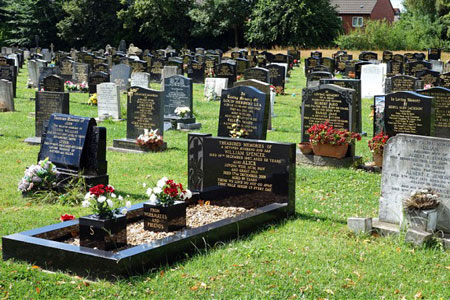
[354, 12]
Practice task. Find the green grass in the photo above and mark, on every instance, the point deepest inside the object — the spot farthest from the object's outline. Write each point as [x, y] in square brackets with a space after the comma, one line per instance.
[309, 256]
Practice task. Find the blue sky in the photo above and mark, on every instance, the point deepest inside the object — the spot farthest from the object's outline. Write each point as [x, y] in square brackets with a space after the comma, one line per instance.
[397, 3]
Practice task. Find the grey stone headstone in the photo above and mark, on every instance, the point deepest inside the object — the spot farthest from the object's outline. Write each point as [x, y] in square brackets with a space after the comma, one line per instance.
[6, 96]
[177, 93]
[32, 72]
[26, 54]
[141, 79]
[169, 71]
[108, 100]
[120, 75]
[437, 66]
[412, 163]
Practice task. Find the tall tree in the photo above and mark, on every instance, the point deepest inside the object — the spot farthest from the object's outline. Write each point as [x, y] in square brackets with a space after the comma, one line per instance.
[91, 23]
[159, 22]
[217, 17]
[307, 23]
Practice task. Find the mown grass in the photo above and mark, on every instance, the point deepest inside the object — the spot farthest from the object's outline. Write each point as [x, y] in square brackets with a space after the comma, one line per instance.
[309, 256]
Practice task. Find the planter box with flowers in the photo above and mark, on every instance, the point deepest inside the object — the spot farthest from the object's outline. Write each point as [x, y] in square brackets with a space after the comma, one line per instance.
[106, 229]
[166, 210]
[421, 210]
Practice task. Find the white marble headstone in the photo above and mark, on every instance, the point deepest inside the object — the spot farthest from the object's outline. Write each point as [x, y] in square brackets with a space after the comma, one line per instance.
[411, 163]
[372, 80]
[108, 100]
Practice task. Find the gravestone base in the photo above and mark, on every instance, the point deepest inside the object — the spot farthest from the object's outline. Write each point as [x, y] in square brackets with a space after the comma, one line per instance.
[385, 228]
[189, 126]
[129, 146]
[65, 177]
[34, 140]
[183, 124]
[323, 161]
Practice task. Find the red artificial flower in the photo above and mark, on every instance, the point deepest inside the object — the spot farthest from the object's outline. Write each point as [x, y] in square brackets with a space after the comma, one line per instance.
[66, 217]
[109, 189]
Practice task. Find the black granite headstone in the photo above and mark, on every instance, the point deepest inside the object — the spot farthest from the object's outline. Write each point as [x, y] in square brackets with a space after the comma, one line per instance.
[46, 104]
[260, 74]
[442, 110]
[444, 80]
[227, 70]
[177, 93]
[242, 64]
[313, 78]
[329, 63]
[403, 83]
[277, 76]
[409, 112]
[387, 56]
[394, 68]
[96, 78]
[413, 67]
[429, 77]
[368, 55]
[434, 54]
[54, 83]
[197, 72]
[156, 69]
[246, 107]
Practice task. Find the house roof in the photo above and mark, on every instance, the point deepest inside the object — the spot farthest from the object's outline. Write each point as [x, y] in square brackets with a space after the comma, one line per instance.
[354, 6]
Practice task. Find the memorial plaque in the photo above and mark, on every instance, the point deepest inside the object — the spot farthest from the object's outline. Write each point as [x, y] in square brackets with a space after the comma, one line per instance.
[76, 146]
[140, 79]
[197, 72]
[80, 72]
[313, 78]
[177, 93]
[378, 118]
[413, 67]
[260, 74]
[409, 112]
[242, 173]
[354, 84]
[444, 80]
[53, 83]
[46, 104]
[120, 75]
[442, 110]
[434, 54]
[277, 76]
[403, 83]
[145, 110]
[95, 79]
[108, 100]
[227, 70]
[413, 163]
[328, 102]
[246, 108]
[430, 78]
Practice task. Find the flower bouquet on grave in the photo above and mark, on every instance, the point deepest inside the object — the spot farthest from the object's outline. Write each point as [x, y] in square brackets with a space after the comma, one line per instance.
[166, 208]
[150, 140]
[237, 131]
[376, 145]
[93, 100]
[330, 142]
[84, 88]
[106, 228]
[70, 86]
[421, 209]
[42, 176]
[182, 111]
[210, 73]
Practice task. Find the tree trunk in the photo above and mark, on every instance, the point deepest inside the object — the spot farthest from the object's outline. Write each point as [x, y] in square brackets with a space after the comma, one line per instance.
[236, 36]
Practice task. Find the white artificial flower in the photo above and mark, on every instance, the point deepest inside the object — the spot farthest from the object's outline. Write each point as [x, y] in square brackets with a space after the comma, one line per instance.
[157, 190]
[120, 198]
[87, 196]
[101, 199]
[162, 182]
[149, 192]
[113, 195]
[124, 211]
[188, 194]
[85, 203]
[128, 204]
[153, 199]
[110, 203]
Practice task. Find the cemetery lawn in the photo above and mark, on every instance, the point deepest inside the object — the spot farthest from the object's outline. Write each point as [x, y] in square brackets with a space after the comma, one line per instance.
[310, 256]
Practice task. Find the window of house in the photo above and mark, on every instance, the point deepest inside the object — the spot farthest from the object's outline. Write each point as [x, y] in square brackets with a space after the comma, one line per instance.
[357, 22]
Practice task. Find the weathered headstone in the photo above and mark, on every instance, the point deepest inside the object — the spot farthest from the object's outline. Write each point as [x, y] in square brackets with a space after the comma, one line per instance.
[168, 71]
[80, 72]
[6, 96]
[120, 75]
[413, 163]
[108, 100]
[140, 79]
[409, 112]
[213, 88]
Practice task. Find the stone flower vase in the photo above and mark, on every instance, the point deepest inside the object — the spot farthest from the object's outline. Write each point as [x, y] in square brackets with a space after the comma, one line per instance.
[165, 218]
[378, 159]
[329, 150]
[424, 220]
[103, 234]
[305, 148]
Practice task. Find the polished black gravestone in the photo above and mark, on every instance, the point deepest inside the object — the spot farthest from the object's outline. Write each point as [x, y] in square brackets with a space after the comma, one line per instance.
[145, 110]
[394, 68]
[242, 64]
[227, 70]
[196, 72]
[368, 55]
[95, 79]
[409, 112]
[332, 103]
[277, 76]
[429, 77]
[54, 83]
[256, 73]
[434, 54]
[442, 110]
[77, 147]
[403, 83]
[350, 84]
[313, 78]
[329, 63]
[246, 108]
[387, 56]
[46, 104]
[412, 67]
[444, 80]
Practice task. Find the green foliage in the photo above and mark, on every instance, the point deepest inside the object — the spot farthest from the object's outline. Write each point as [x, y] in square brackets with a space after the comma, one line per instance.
[90, 23]
[304, 23]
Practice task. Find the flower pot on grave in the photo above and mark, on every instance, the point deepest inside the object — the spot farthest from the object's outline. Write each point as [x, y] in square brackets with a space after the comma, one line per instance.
[165, 218]
[424, 220]
[378, 159]
[103, 234]
[329, 150]
[305, 148]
